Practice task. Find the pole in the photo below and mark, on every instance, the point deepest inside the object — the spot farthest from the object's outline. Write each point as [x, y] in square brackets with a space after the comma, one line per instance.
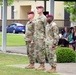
[51, 7]
[4, 22]
[44, 5]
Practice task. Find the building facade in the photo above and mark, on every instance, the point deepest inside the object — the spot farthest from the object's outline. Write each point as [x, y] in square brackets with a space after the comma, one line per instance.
[19, 9]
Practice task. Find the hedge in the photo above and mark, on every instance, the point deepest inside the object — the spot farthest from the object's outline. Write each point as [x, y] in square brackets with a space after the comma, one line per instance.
[65, 55]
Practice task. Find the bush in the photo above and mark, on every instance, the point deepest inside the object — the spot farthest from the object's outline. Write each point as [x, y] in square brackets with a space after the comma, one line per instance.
[75, 56]
[65, 55]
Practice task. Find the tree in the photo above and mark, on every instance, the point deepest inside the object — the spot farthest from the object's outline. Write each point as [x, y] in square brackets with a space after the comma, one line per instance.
[71, 8]
[9, 2]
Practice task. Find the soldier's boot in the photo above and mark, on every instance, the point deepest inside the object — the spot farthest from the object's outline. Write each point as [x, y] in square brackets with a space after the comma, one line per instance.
[53, 70]
[41, 67]
[30, 66]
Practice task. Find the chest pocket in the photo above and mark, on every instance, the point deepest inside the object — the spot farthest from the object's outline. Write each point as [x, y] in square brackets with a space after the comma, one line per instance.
[51, 32]
[40, 24]
[30, 26]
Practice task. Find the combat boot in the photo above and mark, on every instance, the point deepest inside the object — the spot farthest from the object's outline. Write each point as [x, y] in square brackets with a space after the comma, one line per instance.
[41, 67]
[53, 70]
[30, 66]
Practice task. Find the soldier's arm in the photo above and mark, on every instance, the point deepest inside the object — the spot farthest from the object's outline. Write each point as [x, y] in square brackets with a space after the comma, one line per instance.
[45, 23]
[56, 34]
[32, 31]
[26, 32]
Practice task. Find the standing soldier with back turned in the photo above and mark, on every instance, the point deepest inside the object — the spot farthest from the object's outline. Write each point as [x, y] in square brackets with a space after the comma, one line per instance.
[39, 37]
[29, 38]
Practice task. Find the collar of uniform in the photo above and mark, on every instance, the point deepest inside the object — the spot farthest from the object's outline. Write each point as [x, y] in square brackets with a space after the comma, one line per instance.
[49, 23]
[41, 16]
[30, 21]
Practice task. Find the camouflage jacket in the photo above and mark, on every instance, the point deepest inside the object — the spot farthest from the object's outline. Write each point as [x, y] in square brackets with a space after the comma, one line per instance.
[52, 32]
[29, 34]
[40, 27]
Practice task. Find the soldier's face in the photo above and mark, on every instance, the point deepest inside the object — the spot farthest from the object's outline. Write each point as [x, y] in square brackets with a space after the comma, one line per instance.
[39, 10]
[30, 16]
[49, 19]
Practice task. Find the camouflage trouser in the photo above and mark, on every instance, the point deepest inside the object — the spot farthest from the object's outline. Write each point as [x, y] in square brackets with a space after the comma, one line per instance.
[51, 54]
[30, 52]
[39, 50]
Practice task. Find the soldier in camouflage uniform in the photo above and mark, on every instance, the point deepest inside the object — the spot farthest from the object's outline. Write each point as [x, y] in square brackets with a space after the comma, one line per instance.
[39, 37]
[29, 38]
[51, 41]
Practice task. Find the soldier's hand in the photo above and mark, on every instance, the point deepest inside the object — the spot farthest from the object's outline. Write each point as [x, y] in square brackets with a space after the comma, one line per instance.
[53, 46]
[32, 42]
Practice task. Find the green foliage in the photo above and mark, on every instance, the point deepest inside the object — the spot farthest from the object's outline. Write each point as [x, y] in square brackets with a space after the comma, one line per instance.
[71, 8]
[65, 55]
[9, 2]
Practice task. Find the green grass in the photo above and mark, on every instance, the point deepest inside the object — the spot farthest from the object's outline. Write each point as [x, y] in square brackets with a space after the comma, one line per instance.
[75, 56]
[14, 40]
[19, 71]
[7, 59]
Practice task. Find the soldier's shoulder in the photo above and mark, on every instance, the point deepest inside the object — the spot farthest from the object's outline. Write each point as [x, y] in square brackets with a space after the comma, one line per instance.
[34, 21]
[54, 24]
[27, 23]
[44, 16]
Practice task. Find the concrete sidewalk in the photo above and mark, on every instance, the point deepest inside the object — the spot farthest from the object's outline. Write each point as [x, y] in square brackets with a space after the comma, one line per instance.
[16, 49]
[62, 68]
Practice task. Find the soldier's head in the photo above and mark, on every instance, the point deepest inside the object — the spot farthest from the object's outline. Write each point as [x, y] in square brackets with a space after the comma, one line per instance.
[30, 15]
[40, 9]
[49, 18]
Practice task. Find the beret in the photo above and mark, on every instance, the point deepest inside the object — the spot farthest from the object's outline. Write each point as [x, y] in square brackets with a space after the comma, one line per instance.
[31, 12]
[39, 7]
[49, 15]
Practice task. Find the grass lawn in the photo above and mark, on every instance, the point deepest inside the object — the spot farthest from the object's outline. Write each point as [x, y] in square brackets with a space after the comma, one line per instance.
[14, 40]
[7, 59]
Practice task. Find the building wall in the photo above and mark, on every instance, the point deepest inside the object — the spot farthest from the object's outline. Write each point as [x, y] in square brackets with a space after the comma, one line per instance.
[59, 10]
[9, 12]
[22, 7]
[23, 11]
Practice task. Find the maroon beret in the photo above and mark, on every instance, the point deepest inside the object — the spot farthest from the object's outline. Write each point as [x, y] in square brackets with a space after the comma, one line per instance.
[39, 7]
[49, 15]
[31, 12]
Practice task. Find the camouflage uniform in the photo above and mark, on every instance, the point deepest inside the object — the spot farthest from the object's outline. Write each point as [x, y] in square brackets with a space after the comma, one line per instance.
[29, 36]
[39, 36]
[51, 39]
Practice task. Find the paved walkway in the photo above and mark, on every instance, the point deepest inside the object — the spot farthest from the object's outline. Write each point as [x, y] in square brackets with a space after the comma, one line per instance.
[16, 49]
[62, 68]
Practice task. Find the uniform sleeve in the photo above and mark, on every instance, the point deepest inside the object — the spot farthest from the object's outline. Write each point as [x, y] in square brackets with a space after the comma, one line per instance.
[25, 38]
[56, 34]
[33, 30]
[45, 23]
[29, 32]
